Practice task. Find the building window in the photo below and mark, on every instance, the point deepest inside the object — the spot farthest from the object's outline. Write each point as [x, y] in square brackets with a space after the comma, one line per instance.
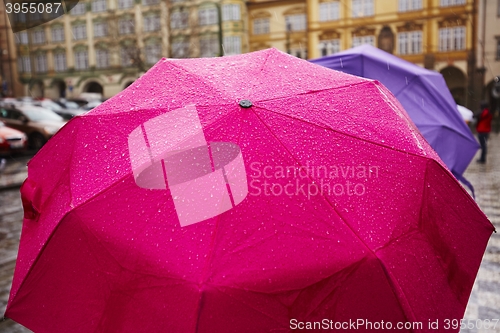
[362, 8]
[124, 4]
[329, 11]
[179, 20]
[360, 40]
[451, 39]
[296, 22]
[127, 55]
[60, 62]
[41, 63]
[22, 37]
[232, 45]
[180, 49]
[209, 46]
[100, 29]
[98, 6]
[150, 2]
[81, 60]
[102, 58]
[152, 22]
[126, 26]
[207, 16]
[327, 47]
[79, 31]
[446, 3]
[410, 42]
[409, 5]
[38, 37]
[79, 9]
[153, 53]
[231, 12]
[58, 34]
[299, 53]
[24, 64]
[261, 26]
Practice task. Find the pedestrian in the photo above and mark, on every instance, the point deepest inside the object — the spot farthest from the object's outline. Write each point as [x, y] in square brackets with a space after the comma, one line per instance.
[483, 129]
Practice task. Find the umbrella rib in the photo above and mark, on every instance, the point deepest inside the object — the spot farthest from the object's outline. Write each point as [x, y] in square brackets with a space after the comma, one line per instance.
[313, 91]
[343, 133]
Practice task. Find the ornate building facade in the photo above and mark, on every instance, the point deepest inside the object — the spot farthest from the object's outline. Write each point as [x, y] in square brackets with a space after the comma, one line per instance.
[436, 34]
[102, 46]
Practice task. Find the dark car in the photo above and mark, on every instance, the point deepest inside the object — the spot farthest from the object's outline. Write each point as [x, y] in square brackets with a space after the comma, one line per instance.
[11, 140]
[39, 124]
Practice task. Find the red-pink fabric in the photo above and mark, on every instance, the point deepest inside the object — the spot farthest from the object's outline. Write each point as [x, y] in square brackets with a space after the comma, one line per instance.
[484, 122]
[99, 253]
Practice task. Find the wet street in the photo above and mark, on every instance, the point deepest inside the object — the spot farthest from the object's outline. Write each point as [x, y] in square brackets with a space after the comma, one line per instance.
[485, 299]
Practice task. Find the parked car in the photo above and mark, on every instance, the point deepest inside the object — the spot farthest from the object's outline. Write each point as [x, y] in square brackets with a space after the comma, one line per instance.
[38, 123]
[11, 140]
[70, 105]
[67, 114]
[79, 101]
[91, 104]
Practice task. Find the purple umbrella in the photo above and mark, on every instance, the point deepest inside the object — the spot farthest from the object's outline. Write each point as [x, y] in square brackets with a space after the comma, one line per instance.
[423, 94]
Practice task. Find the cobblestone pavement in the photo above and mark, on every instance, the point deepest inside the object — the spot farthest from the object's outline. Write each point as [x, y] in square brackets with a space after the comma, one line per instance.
[15, 171]
[484, 302]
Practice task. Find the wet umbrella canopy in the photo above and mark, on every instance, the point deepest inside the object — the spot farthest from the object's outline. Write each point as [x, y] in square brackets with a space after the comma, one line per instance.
[423, 94]
[252, 193]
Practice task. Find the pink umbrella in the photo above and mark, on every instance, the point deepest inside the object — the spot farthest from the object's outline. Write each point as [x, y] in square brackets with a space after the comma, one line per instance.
[254, 193]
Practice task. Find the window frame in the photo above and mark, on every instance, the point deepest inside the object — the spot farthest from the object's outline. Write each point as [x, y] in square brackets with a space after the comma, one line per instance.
[331, 13]
[335, 43]
[100, 29]
[366, 8]
[85, 58]
[261, 26]
[101, 54]
[56, 62]
[58, 31]
[231, 12]
[207, 16]
[99, 6]
[232, 45]
[44, 68]
[297, 22]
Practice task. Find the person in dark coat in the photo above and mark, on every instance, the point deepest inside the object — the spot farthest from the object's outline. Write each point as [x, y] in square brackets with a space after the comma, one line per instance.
[483, 129]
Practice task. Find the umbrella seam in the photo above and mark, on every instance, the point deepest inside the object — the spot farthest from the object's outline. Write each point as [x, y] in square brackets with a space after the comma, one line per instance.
[346, 134]
[314, 91]
[206, 267]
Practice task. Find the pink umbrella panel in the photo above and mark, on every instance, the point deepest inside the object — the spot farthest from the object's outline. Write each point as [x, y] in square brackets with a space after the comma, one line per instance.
[248, 193]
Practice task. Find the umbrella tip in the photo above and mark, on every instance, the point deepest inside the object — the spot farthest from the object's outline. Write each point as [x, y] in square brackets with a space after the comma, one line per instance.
[245, 103]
